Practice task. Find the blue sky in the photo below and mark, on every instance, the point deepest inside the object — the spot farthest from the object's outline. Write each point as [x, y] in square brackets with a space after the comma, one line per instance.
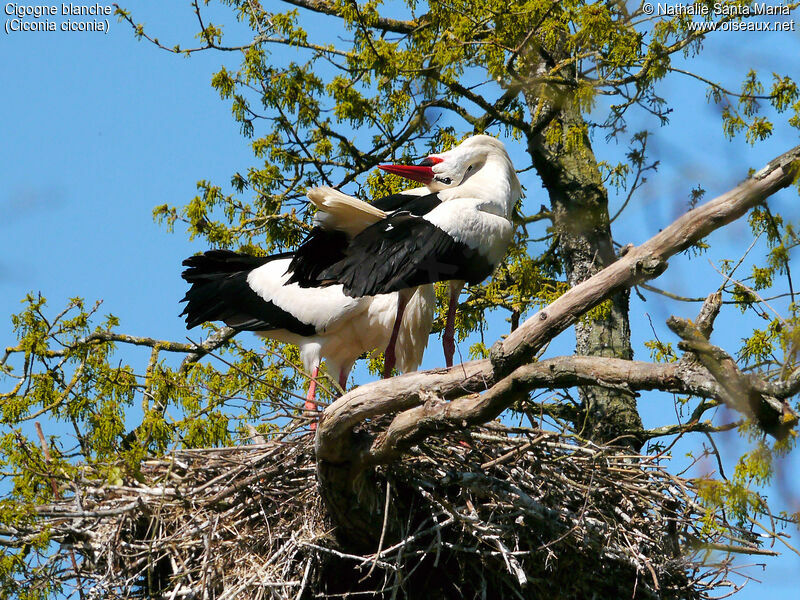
[99, 128]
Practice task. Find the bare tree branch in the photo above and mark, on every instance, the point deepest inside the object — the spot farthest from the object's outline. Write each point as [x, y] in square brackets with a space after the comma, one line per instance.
[709, 312]
[382, 23]
[436, 414]
[774, 417]
[644, 262]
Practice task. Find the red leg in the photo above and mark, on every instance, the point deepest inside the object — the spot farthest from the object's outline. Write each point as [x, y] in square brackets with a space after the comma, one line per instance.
[343, 379]
[448, 337]
[390, 356]
[310, 406]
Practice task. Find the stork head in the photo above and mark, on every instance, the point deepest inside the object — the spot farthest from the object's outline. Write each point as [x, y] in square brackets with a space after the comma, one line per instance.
[454, 167]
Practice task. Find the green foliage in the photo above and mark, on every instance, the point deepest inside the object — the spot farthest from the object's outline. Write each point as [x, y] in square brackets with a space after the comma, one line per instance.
[69, 373]
[661, 351]
[736, 496]
[695, 196]
[775, 343]
[744, 115]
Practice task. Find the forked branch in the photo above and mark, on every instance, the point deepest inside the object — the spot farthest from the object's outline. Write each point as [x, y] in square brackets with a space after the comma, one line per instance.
[739, 391]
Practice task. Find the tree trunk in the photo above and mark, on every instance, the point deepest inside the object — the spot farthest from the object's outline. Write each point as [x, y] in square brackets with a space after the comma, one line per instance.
[563, 157]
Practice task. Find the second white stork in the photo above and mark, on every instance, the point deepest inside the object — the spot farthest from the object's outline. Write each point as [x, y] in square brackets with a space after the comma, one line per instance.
[251, 293]
[457, 228]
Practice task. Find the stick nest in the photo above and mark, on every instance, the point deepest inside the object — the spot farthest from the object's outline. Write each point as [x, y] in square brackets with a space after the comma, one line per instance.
[509, 513]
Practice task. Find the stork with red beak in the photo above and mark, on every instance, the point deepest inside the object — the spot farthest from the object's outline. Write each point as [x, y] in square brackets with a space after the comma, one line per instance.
[251, 293]
[457, 228]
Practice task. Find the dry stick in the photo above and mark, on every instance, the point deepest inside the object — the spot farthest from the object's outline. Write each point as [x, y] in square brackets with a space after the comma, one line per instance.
[354, 557]
[57, 496]
[774, 536]
[509, 455]
[383, 530]
[737, 549]
[415, 536]
[305, 579]
[750, 290]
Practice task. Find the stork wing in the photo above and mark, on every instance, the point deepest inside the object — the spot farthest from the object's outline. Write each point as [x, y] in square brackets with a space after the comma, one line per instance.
[416, 204]
[251, 294]
[403, 251]
[321, 249]
[340, 212]
[326, 243]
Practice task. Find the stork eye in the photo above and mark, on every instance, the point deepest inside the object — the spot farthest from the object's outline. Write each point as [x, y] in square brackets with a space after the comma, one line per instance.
[469, 168]
[444, 180]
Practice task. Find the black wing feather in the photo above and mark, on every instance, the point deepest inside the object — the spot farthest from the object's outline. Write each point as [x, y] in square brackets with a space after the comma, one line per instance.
[320, 250]
[416, 205]
[323, 248]
[219, 292]
[404, 251]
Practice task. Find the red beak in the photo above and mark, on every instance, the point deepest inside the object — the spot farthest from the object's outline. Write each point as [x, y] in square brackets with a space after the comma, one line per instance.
[413, 172]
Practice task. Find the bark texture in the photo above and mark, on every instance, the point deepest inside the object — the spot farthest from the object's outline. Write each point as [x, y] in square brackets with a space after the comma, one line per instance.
[563, 157]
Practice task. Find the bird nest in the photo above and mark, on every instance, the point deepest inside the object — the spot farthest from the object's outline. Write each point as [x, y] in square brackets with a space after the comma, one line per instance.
[508, 513]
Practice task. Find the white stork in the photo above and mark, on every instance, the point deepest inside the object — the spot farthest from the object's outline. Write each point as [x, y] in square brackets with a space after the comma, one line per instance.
[251, 293]
[457, 228]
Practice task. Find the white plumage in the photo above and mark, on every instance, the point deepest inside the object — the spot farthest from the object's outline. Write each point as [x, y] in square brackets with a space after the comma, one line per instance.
[345, 327]
[338, 211]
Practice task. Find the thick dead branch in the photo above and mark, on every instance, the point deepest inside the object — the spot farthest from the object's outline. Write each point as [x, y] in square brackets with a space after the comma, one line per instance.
[388, 396]
[778, 389]
[643, 262]
[422, 394]
[428, 409]
[708, 313]
[563, 372]
[773, 416]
